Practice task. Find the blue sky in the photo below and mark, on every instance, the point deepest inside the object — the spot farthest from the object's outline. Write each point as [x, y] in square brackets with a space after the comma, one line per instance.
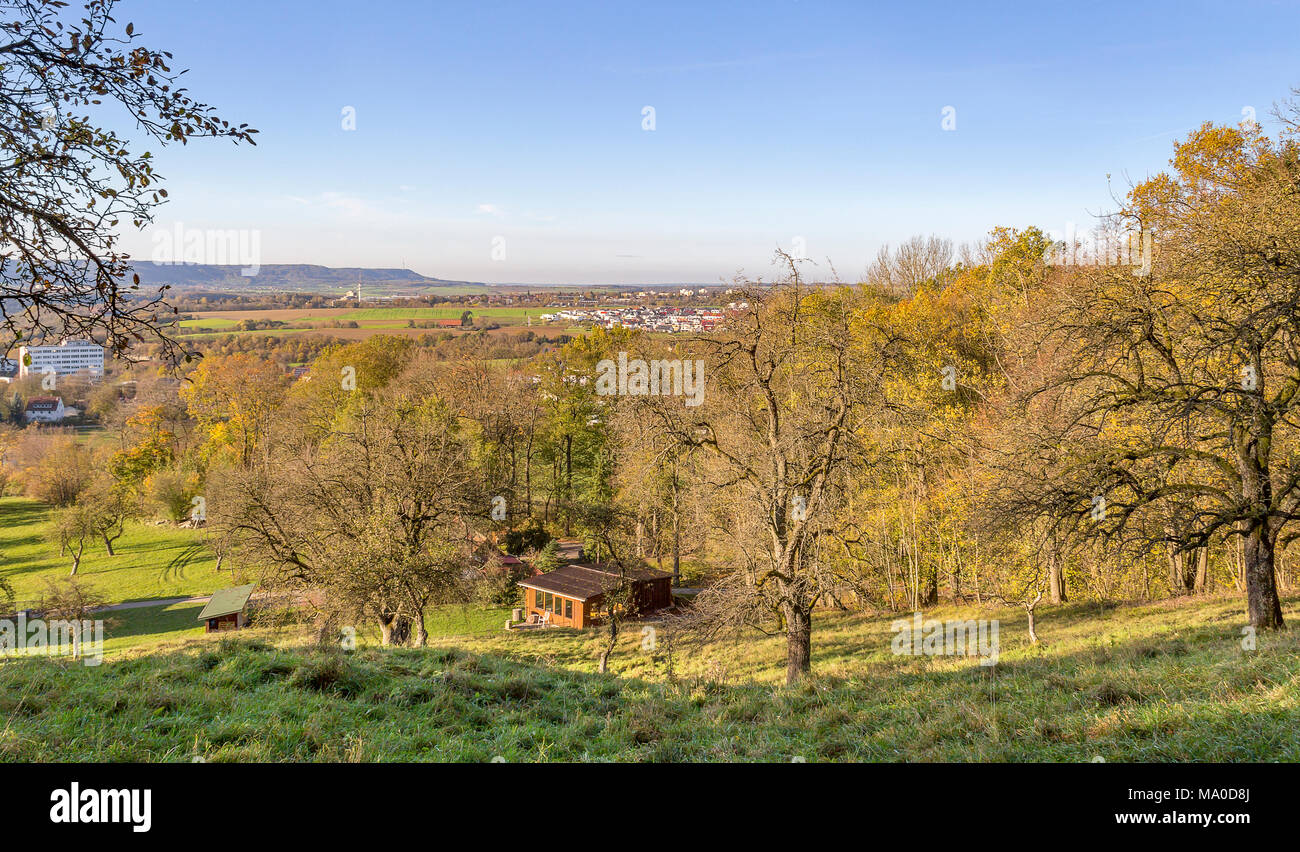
[519, 125]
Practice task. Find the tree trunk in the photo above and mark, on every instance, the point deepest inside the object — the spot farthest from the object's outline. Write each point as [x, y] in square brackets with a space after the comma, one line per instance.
[1056, 579]
[1239, 564]
[677, 536]
[798, 645]
[108, 543]
[568, 484]
[1200, 582]
[528, 473]
[76, 558]
[1029, 613]
[1262, 601]
[1184, 570]
[394, 629]
[1176, 570]
[654, 535]
[609, 646]
[955, 561]
[421, 632]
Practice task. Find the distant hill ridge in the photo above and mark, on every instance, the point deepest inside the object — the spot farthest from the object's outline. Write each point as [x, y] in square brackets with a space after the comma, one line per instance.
[283, 276]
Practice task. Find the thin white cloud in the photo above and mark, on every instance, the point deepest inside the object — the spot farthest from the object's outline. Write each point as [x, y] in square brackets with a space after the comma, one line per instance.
[349, 205]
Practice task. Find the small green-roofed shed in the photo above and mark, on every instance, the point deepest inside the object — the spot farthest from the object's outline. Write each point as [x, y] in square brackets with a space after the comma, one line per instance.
[225, 609]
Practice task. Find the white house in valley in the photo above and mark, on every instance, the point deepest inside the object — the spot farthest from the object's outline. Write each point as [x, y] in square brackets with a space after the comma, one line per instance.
[44, 409]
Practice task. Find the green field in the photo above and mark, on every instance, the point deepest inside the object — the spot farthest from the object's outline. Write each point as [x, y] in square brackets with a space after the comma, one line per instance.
[151, 562]
[150, 627]
[368, 317]
[156, 563]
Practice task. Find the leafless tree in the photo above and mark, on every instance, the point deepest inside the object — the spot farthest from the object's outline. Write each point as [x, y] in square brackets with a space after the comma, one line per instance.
[790, 384]
[900, 271]
[372, 515]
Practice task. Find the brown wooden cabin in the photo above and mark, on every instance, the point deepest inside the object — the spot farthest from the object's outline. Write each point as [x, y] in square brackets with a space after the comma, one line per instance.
[574, 594]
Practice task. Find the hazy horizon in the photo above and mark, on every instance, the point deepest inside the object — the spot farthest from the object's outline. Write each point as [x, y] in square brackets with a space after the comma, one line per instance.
[504, 143]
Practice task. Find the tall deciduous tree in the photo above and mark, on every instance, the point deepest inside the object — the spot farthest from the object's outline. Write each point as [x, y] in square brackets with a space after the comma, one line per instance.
[1177, 389]
[374, 514]
[233, 397]
[790, 383]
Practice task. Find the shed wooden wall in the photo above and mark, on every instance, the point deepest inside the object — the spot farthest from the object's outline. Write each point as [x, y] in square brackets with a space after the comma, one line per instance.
[534, 602]
[234, 621]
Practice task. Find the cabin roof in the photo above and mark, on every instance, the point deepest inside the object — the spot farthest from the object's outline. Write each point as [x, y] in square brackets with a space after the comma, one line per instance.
[227, 601]
[586, 581]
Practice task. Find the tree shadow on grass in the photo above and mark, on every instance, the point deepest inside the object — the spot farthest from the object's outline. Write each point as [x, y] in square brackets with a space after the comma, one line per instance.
[20, 514]
[1157, 698]
[151, 621]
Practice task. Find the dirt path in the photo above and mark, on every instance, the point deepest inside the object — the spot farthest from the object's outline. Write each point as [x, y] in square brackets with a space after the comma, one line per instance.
[158, 602]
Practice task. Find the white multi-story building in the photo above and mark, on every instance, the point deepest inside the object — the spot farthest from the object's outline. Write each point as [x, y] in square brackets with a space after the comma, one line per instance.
[70, 356]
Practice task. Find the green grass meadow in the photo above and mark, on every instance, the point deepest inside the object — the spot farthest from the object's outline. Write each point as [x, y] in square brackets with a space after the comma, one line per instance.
[1167, 681]
[1126, 684]
[152, 561]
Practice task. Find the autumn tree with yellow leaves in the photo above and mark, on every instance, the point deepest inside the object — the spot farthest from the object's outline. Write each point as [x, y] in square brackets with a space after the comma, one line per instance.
[1173, 390]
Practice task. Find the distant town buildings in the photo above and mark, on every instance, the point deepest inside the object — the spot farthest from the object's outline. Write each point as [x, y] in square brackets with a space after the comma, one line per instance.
[662, 319]
[67, 358]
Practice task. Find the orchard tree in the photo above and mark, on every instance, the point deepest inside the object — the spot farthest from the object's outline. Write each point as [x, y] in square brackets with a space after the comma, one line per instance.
[791, 384]
[73, 527]
[376, 513]
[1172, 388]
[109, 504]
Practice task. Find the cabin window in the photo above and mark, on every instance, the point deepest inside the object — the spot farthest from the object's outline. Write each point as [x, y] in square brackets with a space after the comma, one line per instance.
[548, 603]
[568, 609]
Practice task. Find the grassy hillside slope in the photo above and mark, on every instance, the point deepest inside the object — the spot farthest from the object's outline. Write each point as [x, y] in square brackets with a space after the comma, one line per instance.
[1154, 683]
